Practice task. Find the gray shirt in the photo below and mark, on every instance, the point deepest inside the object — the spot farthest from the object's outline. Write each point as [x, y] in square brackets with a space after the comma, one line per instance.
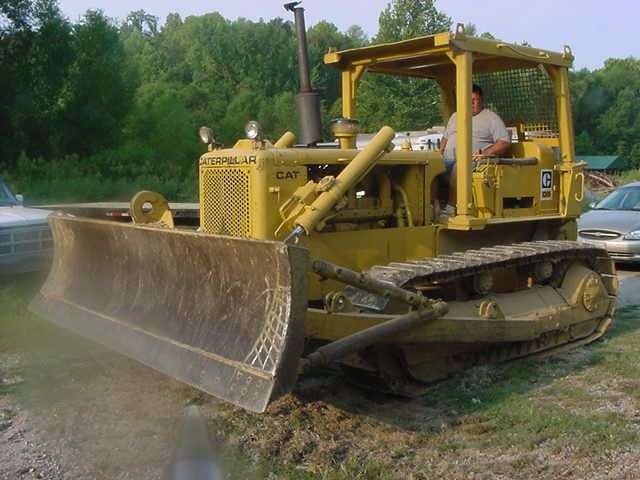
[487, 128]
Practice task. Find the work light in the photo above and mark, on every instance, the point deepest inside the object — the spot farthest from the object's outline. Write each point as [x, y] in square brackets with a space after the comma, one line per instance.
[206, 135]
[252, 130]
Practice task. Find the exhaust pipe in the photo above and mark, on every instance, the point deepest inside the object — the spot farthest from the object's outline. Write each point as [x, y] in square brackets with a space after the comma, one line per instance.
[307, 101]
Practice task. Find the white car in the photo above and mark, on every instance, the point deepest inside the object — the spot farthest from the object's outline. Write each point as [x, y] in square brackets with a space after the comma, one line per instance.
[25, 237]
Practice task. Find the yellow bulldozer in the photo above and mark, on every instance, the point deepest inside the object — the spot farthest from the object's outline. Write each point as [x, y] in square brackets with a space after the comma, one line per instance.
[312, 253]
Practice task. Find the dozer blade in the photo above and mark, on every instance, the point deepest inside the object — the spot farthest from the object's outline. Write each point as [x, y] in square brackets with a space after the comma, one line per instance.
[223, 314]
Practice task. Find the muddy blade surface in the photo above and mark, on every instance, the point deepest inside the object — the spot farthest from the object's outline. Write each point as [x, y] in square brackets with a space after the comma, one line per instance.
[223, 314]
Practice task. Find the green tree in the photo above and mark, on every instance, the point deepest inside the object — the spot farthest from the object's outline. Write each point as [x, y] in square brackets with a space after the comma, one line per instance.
[404, 103]
[619, 126]
[160, 120]
[143, 22]
[357, 36]
[35, 51]
[471, 30]
[96, 98]
[52, 46]
[584, 144]
[15, 16]
[604, 108]
[121, 103]
[403, 19]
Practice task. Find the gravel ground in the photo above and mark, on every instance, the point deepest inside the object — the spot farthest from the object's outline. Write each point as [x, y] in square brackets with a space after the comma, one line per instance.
[25, 453]
[91, 424]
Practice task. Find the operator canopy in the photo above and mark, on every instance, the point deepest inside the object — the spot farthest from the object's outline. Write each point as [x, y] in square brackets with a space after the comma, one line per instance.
[430, 56]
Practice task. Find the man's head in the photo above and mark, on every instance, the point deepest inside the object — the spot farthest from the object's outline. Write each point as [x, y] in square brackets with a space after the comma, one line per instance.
[477, 99]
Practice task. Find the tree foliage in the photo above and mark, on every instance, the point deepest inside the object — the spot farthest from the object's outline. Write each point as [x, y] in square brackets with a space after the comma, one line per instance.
[35, 53]
[121, 102]
[405, 103]
[403, 19]
[606, 117]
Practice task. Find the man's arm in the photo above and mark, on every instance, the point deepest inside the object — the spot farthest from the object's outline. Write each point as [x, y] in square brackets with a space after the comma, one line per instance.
[498, 148]
[443, 144]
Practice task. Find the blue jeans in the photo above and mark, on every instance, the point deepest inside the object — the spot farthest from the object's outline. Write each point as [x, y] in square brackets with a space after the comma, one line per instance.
[448, 165]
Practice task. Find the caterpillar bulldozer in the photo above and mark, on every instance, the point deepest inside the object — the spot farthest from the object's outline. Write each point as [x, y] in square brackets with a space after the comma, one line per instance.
[312, 253]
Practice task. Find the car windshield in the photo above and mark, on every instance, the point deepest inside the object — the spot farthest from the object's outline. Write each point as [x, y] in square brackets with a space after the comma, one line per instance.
[622, 199]
[6, 198]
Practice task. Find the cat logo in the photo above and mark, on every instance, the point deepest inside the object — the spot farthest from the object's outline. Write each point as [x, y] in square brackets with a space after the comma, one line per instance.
[290, 175]
[546, 184]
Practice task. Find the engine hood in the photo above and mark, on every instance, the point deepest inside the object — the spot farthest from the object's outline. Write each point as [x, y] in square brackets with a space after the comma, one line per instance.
[621, 221]
[19, 216]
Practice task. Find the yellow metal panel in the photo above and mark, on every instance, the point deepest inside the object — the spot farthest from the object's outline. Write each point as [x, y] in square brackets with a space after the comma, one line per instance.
[350, 80]
[565, 121]
[485, 190]
[463, 322]
[441, 39]
[385, 50]
[510, 50]
[360, 250]
[326, 156]
[571, 174]
[493, 183]
[464, 205]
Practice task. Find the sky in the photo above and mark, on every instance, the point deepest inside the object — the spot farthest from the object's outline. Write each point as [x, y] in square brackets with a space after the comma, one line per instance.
[595, 30]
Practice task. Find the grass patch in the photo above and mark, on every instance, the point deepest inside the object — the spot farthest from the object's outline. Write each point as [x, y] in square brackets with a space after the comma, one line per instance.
[527, 424]
[111, 175]
[350, 470]
[96, 188]
[22, 331]
[17, 325]
[628, 176]
[529, 402]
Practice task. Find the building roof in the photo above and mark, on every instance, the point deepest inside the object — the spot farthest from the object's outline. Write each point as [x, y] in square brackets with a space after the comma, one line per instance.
[603, 162]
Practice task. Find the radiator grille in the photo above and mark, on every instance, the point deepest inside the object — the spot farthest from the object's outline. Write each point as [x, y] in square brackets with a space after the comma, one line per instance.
[25, 239]
[599, 234]
[224, 200]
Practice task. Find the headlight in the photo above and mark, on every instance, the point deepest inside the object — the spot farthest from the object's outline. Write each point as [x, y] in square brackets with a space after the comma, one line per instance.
[634, 235]
[252, 130]
[206, 135]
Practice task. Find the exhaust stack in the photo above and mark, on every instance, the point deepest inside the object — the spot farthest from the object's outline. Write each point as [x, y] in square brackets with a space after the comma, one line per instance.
[307, 101]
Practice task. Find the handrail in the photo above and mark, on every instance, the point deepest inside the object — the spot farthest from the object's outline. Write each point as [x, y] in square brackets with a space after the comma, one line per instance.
[540, 55]
[491, 160]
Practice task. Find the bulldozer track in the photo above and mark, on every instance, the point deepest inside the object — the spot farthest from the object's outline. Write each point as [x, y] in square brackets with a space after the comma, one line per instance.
[455, 266]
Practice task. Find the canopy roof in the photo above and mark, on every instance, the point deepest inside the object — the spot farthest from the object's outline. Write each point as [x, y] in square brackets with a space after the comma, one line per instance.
[603, 162]
[428, 56]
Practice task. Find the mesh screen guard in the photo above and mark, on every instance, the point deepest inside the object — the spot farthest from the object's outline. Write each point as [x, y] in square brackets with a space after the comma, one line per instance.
[523, 98]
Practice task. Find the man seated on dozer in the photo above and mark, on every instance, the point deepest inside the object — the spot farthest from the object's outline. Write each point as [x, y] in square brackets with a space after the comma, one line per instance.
[489, 137]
